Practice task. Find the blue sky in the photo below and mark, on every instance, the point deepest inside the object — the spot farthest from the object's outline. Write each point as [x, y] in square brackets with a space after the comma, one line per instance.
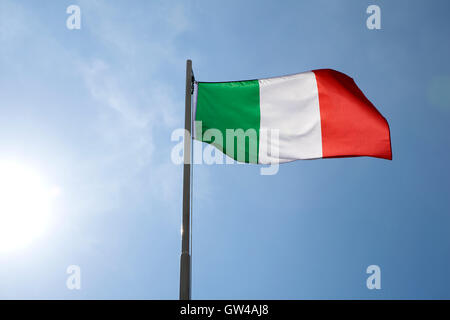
[92, 110]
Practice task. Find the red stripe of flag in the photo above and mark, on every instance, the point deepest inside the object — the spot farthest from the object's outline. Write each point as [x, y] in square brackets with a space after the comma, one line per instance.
[351, 125]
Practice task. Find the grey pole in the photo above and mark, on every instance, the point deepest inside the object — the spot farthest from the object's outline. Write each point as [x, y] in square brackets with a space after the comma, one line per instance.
[185, 260]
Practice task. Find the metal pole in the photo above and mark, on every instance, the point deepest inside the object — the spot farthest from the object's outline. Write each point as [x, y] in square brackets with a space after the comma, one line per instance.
[185, 260]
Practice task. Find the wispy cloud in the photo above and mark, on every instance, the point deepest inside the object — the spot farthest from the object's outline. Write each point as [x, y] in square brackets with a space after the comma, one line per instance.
[125, 60]
[138, 104]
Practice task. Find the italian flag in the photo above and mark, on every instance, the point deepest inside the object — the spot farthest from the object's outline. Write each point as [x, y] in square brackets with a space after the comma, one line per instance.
[310, 115]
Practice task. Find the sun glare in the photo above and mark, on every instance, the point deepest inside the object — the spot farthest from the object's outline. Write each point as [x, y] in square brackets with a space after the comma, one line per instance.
[25, 206]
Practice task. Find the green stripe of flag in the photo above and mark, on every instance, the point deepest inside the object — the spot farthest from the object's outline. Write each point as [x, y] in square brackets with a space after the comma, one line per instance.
[230, 105]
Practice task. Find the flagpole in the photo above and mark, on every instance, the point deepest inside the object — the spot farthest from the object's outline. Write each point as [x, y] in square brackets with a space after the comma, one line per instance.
[185, 259]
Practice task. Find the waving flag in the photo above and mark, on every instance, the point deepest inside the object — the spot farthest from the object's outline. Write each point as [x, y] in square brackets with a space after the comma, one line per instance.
[316, 114]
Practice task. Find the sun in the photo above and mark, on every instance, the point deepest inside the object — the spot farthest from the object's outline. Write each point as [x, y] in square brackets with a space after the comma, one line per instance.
[25, 206]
